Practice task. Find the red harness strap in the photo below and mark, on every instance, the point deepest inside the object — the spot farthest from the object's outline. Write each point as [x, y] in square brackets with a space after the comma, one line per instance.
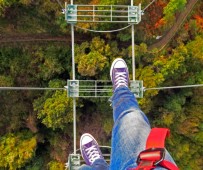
[154, 154]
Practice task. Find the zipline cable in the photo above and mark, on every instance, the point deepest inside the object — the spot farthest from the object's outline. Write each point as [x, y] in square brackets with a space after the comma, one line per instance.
[59, 2]
[148, 5]
[172, 87]
[107, 88]
[30, 88]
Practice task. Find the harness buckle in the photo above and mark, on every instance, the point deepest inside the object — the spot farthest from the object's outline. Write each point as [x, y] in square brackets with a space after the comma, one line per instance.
[155, 155]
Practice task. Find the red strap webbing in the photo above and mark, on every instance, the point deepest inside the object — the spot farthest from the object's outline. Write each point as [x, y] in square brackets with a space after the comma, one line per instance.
[168, 165]
[155, 143]
[156, 138]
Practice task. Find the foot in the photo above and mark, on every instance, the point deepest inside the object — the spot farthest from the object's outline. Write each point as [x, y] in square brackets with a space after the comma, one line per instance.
[119, 73]
[89, 149]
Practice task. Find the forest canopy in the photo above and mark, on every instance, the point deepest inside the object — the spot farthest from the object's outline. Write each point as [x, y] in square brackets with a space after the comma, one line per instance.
[36, 127]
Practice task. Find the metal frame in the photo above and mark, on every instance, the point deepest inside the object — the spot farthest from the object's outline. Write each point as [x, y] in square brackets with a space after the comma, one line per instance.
[99, 88]
[75, 160]
[71, 15]
[103, 13]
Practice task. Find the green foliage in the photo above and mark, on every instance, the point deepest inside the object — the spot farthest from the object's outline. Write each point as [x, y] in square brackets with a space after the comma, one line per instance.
[195, 49]
[150, 79]
[34, 63]
[91, 64]
[37, 163]
[114, 2]
[172, 7]
[6, 81]
[92, 58]
[124, 37]
[106, 110]
[62, 23]
[184, 118]
[16, 149]
[175, 103]
[27, 66]
[49, 64]
[176, 62]
[4, 4]
[56, 165]
[59, 144]
[32, 16]
[54, 109]
[6, 56]
[46, 61]
[107, 125]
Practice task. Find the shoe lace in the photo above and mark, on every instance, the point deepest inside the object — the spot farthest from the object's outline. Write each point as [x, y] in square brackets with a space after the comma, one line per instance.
[93, 153]
[121, 79]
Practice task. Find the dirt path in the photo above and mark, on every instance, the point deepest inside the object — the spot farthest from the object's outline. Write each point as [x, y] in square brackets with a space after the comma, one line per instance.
[36, 38]
[8, 39]
[171, 33]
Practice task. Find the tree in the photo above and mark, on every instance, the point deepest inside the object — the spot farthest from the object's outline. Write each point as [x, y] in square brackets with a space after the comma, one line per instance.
[54, 109]
[172, 7]
[181, 109]
[55, 165]
[4, 4]
[16, 149]
[91, 58]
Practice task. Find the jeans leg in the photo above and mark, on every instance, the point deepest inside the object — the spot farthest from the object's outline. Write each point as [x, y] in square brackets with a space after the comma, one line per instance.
[99, 164]
[130, 131]
[85, 167]
[123, 100]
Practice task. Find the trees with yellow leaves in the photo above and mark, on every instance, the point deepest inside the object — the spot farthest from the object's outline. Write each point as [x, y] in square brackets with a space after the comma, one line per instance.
[16, 149]
[48, 114]
[172, 7]
[93, 58]
[54, 109]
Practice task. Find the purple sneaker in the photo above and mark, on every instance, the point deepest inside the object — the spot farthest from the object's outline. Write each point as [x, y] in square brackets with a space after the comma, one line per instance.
[119, 73]
[89, 149]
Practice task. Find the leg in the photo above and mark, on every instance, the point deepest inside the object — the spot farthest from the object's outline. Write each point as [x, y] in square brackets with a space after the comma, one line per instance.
[99, 164]
[131, 126]
[85, 167]
[131, 129]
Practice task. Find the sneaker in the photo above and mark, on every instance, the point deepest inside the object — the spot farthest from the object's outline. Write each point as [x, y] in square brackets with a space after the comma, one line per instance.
[119, 73]
[89, 149]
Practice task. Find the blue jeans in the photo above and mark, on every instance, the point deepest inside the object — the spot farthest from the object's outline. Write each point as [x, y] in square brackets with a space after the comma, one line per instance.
[129, 134]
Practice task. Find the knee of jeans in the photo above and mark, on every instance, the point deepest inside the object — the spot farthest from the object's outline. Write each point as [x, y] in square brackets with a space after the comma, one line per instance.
[133, 113]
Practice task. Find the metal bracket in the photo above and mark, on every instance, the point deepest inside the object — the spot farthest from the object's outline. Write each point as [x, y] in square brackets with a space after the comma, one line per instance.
[73, 88]
[74, 161]
[137, 88]
[71, 13]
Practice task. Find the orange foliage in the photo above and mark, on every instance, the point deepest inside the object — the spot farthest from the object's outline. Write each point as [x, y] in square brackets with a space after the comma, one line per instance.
[94, 2]
[199, 21]
[161, 3]
[160, 23]
[155, 13]
[186, 26]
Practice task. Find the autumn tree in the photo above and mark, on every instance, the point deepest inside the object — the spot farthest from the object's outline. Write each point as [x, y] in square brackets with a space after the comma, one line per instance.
[172, 7]
[93, 58]
[54, 109]
[17, 149]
